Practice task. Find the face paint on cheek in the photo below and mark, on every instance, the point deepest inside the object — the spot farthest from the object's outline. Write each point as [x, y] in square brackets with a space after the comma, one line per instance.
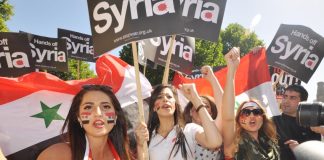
[157, 107]
[243, 119]
[110, 117]
[85, 117]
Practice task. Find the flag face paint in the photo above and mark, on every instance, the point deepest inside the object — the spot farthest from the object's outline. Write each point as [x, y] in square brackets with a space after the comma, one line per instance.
[157, 106]
[243, 119]
[110, 117]
[85, 117]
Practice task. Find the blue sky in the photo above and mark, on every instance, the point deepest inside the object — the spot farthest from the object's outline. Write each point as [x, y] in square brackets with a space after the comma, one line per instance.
[43, 17]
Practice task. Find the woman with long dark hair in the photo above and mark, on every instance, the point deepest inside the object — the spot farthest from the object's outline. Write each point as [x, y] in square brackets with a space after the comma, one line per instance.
[96, 128]
[168, 137]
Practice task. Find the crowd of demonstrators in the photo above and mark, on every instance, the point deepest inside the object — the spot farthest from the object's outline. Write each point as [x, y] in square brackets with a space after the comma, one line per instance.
[208, 128]
[167, 135]
[250, 134]
[96, 128]
[191, 116]
[289, 132]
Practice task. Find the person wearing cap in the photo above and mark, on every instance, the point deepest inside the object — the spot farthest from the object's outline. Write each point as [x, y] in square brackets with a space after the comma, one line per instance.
[251, 134]
[289, 132]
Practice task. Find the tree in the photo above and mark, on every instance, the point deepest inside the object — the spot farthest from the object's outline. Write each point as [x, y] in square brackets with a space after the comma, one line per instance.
[236, 35]
[6, 11]
[154, 75]
[85, 71]
[208, 53]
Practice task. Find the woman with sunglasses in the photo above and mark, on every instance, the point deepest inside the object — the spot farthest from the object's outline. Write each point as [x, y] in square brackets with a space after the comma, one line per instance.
[250, 135]
[96, 128]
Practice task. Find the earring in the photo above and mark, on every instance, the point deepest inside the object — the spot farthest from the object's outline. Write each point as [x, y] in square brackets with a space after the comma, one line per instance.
[81, 125]
[115, 121]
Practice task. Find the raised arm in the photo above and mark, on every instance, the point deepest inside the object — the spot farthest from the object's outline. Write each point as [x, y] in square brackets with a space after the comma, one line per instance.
[210, 137]
[209, 75]
[228, 116]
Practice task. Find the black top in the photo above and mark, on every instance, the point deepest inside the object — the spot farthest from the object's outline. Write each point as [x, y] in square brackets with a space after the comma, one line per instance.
[287, 128]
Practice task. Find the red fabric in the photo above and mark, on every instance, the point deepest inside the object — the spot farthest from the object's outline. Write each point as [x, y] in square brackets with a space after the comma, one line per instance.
[112, 149]
[245, 76]
[110, 70]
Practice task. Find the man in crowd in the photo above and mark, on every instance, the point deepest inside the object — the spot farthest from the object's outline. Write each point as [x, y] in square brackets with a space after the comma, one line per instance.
[289, 132]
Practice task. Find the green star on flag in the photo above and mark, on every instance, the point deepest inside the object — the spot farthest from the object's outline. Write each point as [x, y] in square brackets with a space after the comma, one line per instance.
[48, 114]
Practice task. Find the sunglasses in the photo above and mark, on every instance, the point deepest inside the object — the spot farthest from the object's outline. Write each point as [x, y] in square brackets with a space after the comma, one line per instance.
[247, 112]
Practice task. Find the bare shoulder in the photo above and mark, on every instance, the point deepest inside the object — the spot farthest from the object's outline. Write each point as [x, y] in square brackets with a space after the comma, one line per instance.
[60, 151]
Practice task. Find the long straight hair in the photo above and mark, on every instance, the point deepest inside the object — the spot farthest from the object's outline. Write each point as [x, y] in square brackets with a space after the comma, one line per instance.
[76, 135]
[154, 122]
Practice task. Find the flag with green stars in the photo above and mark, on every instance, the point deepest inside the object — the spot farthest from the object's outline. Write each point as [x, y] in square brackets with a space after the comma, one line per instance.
[33, 107]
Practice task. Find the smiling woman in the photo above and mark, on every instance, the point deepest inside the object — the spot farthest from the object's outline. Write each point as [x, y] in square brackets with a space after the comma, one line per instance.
[96, 128]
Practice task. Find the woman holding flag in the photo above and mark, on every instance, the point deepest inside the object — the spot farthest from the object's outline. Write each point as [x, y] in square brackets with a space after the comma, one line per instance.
[251, 134]
[167, 136]
[96, 128]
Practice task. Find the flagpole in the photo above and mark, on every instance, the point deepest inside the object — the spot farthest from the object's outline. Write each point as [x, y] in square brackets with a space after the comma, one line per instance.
[167, 64]
[78, 69]
[144, 69]
[139, 94]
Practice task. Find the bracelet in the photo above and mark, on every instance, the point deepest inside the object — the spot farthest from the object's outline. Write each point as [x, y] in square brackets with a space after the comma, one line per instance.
[199, 107]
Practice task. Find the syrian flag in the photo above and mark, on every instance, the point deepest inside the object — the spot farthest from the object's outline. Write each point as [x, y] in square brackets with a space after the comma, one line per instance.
[252, 81]
[33, 107]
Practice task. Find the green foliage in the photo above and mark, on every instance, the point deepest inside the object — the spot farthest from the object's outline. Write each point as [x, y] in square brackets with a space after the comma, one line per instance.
[126, 54]
[236, 35]
[206, 52]
[155, 76]
[6, 11]
[84, 70]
